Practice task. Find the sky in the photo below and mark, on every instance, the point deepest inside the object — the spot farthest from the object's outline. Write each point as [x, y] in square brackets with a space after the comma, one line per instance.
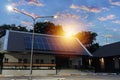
[100, 16]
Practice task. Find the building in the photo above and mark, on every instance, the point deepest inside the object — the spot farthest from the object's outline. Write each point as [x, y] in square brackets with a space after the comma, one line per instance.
[50, 53]
[107, 58]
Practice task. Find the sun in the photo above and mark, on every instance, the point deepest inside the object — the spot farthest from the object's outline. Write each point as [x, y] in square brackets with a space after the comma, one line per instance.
[69, 34]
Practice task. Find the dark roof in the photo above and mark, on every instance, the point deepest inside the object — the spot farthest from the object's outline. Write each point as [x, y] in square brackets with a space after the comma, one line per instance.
[21, 42]
[108, 50]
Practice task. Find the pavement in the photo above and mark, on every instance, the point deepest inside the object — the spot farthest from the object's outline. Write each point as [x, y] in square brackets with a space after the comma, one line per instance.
[83, 77]
[68, 73]
[65, 75]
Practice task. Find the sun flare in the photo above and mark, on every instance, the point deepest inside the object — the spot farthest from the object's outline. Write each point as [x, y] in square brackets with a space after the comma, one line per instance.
[68, 34]
[10, 8]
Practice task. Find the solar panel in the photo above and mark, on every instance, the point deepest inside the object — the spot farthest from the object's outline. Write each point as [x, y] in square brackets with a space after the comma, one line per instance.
[51, 43]
[43, 43]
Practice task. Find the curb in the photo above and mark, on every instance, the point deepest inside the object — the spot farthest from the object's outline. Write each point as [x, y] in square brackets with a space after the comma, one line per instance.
[87, 74]
[65, 74]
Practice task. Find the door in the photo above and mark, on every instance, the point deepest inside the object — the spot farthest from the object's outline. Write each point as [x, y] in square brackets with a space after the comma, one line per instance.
[62, 62]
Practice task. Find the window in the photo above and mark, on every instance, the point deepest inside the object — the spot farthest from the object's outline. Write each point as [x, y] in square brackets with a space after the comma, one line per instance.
[102, 63]
[19, 60]
[42, 61]
[52, 61]
[6, 60]
[24, 60]
[37, 61]
[70, 62]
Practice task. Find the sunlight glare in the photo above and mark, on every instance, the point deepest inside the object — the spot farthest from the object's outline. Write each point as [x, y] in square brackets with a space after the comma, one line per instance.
[55, 17]
[69, 34]
[70, 30]
[10, 8]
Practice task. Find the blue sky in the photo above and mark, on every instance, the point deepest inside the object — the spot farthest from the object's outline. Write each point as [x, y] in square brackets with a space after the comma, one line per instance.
[100, 16]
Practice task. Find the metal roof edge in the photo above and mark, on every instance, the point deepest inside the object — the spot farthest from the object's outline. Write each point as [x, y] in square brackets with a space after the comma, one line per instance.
[84, 47]
[40, 34]
[5, 44]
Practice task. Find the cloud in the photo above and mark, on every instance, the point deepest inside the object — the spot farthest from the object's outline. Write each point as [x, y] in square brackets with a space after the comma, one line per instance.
[114, 3]
[68, 15]
[34, 2]
[26, 23]
[86, 8]
[117, 21]
[114, 29]
[70, 22]
[105, 8]
[18, 3]
[90, 9]
[109, 17]
[90, 24]
[29, 2]
[74, 6]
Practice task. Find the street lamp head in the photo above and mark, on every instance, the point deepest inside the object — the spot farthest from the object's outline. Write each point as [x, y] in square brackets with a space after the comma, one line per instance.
[10, 8]
[55, 16]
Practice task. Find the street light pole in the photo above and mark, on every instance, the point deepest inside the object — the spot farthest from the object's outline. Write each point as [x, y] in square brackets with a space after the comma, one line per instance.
[32, 42]
[32, 46]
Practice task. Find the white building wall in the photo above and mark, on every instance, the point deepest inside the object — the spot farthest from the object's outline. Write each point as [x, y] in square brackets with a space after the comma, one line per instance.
[27, 72]
[10, 58]
[13, 57]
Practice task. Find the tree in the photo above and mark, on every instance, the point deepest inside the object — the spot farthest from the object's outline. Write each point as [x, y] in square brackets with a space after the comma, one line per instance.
[5, 27]
[48, 28]
[88, 39]
[93, 47]
[2, 29]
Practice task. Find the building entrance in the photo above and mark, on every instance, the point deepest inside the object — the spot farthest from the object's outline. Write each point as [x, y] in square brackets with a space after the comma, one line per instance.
[62, 62]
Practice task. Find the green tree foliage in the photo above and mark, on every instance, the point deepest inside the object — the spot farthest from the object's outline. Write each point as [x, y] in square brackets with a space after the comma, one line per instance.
[5, 27]
[48, 28]
[88, 39]
[93, 47]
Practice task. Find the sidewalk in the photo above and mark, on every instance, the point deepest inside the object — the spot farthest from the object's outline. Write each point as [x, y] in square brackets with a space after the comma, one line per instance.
[66, 74]
[80, 73]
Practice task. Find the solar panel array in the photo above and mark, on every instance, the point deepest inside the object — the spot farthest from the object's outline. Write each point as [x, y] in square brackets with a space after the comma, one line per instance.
[48, 43]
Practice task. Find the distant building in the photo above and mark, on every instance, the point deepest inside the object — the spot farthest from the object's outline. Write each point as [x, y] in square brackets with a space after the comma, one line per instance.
[107, 58]
[50, 53]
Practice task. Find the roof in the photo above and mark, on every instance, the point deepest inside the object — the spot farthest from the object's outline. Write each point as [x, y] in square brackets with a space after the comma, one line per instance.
[108, 50]
[17, 41]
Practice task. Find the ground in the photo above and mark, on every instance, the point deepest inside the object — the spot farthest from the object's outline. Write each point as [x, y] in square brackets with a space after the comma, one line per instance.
[75, 77]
